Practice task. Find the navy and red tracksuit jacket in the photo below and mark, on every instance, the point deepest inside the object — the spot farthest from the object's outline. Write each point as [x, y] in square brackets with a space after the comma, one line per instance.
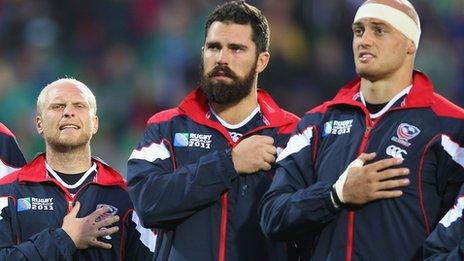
[446, 242]
[11, 157]
[422, 127]
[33, 205]
[183, 183]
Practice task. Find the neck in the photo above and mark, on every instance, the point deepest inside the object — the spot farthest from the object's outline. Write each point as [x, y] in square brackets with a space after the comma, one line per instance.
[73, 161]
[383, 90]
[236, 113]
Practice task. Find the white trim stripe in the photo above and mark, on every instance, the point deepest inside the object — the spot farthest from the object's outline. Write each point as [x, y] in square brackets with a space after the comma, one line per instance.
[401, 94]
[52, 172]
[296, 143]
[3, 204]
[238, 125]
[147, 237]
[453, 149]
[454, 213]
[399, 20]
[5, 169]
[151, 153]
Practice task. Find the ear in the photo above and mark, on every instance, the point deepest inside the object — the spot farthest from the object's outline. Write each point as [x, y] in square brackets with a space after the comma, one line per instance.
[95, 124]
[263, 60]
[39, 124]
[411, 49]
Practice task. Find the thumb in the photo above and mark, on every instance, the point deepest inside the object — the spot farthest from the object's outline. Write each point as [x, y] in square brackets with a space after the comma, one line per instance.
[75, 209]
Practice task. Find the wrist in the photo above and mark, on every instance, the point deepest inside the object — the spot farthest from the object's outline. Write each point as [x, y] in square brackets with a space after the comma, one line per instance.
[335, 198]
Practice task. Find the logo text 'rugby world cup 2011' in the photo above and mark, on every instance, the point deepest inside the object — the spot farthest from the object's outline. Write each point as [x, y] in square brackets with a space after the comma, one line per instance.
[193, 140]
[35, 204]
[337, 127]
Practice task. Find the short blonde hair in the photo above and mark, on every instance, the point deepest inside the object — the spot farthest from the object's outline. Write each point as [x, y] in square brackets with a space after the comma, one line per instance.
[88, 93]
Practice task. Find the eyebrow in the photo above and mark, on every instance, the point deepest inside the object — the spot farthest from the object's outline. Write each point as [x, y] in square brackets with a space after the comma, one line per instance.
[379, 23]
[237, 45]
[213, 43]
[230, 45]
[360, 24]
[357, 24]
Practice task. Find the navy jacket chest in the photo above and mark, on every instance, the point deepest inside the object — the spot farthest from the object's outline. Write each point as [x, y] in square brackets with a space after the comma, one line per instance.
[343, 136]
[40, 206]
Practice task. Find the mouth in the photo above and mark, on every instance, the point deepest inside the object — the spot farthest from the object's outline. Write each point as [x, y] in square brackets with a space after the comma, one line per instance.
[220, 74]
[365, 56]
[69, 126]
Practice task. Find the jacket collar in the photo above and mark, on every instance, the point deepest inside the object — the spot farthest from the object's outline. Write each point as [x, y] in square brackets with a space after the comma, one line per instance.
[195, 106]
[421, 94]
[35, 172]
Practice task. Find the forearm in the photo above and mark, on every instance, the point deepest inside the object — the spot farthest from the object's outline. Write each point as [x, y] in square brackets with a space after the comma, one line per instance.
[162, 197]
[49, 244]
[284, 213]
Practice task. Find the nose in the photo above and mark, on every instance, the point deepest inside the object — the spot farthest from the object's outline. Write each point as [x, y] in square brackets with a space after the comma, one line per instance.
[68, 111]
[366, 39]
[222, 57]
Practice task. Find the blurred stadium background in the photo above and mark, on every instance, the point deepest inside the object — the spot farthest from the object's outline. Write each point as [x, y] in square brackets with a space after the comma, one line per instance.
[142, 56]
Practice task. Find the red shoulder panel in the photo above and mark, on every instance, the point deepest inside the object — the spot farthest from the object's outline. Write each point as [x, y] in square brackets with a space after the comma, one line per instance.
[4, 129]
[287, 129]
[319, 109]
[445, 108]
[164, 116]
[10, 178]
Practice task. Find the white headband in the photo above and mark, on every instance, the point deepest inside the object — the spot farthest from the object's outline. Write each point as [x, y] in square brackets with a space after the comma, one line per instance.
[398, 19]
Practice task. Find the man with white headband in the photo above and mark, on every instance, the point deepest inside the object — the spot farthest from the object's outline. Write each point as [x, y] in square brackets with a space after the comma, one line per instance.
[368, 175]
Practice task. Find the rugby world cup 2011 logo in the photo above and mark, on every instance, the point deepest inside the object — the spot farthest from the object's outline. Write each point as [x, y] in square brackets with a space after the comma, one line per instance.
[194, 140]
[24, 204]
[404, 133]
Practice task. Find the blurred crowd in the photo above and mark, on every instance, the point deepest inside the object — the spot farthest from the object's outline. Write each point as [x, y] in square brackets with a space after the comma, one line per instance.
[143, 56]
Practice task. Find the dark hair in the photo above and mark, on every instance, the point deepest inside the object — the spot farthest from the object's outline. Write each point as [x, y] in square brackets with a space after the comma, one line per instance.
[242, 13]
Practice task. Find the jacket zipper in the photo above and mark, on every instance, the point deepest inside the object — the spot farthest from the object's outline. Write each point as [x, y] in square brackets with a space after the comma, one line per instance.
[350, 233]
[224, 200]
[71, 200]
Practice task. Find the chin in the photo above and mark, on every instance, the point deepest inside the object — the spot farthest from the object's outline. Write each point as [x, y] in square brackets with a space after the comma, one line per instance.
[370, 75]
[67, 143]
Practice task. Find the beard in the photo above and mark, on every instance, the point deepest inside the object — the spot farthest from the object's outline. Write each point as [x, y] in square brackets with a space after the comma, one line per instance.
[67, 144]
[227, 93]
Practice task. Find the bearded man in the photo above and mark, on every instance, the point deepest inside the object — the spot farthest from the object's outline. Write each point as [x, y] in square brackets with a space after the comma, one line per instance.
[201, 168]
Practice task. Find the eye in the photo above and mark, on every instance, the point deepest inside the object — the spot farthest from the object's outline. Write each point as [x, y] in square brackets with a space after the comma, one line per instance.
[57, 106]
[379, 30]
[237, 49]
[358, 31]
[213, 47]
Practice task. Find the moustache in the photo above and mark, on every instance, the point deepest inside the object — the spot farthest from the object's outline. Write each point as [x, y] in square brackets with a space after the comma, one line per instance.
[222, 70]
